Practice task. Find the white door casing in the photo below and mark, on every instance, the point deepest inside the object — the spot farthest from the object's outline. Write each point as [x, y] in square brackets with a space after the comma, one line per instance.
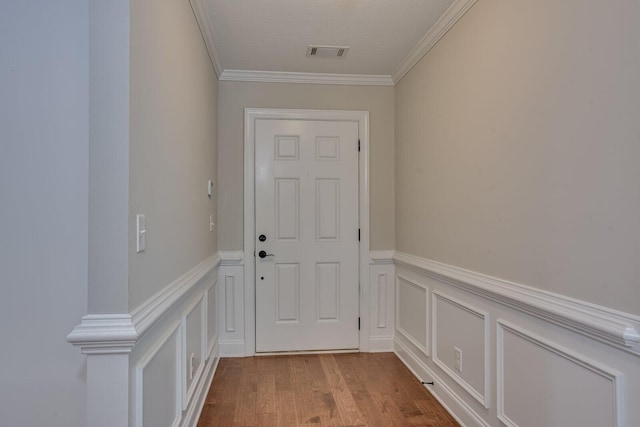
[306, 193]
[250, 236]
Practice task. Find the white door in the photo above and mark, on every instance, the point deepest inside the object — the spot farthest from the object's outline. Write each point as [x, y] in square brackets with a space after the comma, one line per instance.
[306, 198]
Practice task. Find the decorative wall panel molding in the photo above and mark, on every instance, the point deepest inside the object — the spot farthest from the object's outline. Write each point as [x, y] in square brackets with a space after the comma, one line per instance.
[142, 355]
[468, 336]
[412, 312]
[382, 301]
[454, 404]
[596, 322]
[170, 342]
[574, 379]
[231, 304]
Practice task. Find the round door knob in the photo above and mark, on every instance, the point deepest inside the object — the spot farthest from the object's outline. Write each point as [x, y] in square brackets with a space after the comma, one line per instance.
[263, 254]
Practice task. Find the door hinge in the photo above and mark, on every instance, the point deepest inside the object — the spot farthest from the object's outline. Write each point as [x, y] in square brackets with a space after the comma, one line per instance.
[358, 323]
[358, 234]
[358, 145]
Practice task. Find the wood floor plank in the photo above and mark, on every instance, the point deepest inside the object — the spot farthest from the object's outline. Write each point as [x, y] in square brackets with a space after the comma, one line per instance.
[349, 390]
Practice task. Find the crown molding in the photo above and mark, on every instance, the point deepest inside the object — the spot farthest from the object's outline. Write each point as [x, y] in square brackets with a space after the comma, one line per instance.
[202, 17]
[444, 24]
[309, 78]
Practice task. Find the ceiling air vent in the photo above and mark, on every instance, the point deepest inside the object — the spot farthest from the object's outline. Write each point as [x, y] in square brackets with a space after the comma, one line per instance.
[327, 51]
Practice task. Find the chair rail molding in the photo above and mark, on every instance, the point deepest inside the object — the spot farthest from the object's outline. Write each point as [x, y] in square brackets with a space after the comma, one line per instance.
[114, 342]
[597, 322]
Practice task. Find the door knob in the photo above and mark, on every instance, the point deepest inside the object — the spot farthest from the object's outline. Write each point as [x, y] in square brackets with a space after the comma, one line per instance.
[263, 254]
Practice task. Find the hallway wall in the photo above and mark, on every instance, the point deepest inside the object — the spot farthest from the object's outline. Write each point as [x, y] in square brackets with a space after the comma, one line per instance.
[517, 147]
[518, 215]
[234, 96]
[173, 145]
[44, 160]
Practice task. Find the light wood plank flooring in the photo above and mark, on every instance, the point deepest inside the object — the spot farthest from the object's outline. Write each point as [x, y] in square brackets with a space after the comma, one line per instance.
[357, 389]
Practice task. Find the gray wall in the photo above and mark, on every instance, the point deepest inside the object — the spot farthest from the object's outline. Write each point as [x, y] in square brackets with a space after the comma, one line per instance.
[173, 145]
[234, 96]
[517, 148]
[44, 134]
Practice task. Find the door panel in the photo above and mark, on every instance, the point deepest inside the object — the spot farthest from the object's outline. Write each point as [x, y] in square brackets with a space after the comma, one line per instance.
[307, 207]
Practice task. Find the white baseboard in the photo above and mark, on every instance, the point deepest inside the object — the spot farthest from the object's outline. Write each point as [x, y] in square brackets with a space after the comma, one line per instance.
[381, 344]
[232, 348]
[456, 406]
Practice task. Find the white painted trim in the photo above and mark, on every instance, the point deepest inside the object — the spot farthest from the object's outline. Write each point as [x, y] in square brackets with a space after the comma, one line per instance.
[229, 303]
[584, 361]
[307, 78]
[144, 362]
[382, 305]
[232, 348]
[200, 11]
[231, 257]
[399, 328]
[146, 314]
[250, 116]
[381, 344]
[444, 24]
[381, 257]
[421, 371]
[192, 415]
[211, 292]
[484, 397]
[597, 322]
[104, 334]
[187, 393]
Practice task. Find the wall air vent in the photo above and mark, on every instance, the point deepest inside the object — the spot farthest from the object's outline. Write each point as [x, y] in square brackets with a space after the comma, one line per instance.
[327, 51]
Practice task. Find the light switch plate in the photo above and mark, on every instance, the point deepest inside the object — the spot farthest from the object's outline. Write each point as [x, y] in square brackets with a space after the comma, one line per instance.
[210, 188]
[211, 223]
[141, 233]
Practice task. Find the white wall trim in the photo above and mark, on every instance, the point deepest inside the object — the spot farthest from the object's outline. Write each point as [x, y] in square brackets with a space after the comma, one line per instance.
[187, 392]
[597, 322]
[444, 24]
[200, 12]
[307, 78]
[584, 361]
[192, 414]
[381, 257]
[447, 397]
[118, 333]
[231, 258]
[250, 116]
[150, 311]
[482, 397]
[142, 364]
[399, 329]
[104, 334]
[232, 348]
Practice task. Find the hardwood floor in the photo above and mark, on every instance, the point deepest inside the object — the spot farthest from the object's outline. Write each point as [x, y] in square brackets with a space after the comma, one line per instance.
[356, 389]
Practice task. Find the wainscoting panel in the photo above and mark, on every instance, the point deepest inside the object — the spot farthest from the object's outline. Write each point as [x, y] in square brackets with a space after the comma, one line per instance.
[382, 301]
[529, 358]
[573, 389]
[231, 307]
[460, 346]
[158, 382]
[412, 311]
[194, 334]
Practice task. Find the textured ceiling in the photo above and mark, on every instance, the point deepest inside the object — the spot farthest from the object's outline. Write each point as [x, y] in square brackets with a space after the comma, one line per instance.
[272, 35]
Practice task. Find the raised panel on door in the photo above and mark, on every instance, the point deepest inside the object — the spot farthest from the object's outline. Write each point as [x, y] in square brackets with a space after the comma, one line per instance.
[307, 209]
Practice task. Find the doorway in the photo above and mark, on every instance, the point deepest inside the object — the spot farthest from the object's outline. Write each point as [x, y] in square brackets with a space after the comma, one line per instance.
[306, 205]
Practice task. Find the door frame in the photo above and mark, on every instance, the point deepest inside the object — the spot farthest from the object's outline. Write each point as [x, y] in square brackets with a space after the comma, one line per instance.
[250, 117]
